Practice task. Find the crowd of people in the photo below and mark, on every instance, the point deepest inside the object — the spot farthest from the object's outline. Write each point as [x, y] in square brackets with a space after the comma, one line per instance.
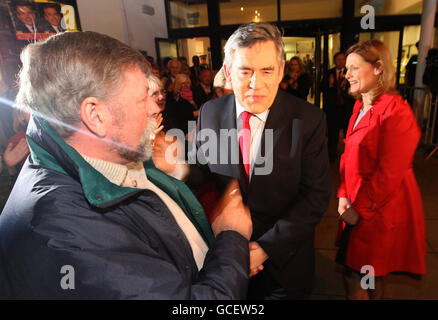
[98, 192]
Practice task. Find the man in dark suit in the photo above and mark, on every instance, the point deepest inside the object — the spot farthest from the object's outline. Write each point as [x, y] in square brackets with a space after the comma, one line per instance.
[26, 21]
[338, 104]
[274, 144]
[204, 91]
[52, 14]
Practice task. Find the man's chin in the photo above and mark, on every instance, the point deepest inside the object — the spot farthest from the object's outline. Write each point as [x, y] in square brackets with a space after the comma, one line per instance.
[257, 107]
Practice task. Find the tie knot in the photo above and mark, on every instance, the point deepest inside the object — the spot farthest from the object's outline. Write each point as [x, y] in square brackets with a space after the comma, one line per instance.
[246, 116]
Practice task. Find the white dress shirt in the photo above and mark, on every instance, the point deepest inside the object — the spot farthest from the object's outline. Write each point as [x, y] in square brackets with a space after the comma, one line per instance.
[257, 124]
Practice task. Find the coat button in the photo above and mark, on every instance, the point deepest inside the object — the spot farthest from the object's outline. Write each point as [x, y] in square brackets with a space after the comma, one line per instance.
[197, 214]
[100, 198]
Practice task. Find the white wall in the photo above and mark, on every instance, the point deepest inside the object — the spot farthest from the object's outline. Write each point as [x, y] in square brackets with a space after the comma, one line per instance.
[103, 16]
[132, 27]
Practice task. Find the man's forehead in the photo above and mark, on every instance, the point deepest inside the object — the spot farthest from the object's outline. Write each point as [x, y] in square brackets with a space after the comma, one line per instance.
[50, 10]
[264, 53]
[24, 9]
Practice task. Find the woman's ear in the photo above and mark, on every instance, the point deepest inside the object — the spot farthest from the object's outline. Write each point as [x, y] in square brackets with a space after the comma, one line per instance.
[93, 115]
[378, 68]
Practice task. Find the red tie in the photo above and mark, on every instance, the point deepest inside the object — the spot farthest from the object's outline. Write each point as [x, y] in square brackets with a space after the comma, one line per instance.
[245, 142]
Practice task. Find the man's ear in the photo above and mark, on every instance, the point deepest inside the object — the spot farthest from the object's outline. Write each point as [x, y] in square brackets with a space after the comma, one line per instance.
[227, 73]
[93, 115]
[282, 70]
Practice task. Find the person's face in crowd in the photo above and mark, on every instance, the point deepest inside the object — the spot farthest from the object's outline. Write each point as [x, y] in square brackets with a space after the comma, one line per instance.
[185, 69]
[26, 15]
[294, 66]
[340, 61]
[132, 113]
[156, 72]
[255, 76]
[195, 60]
[205, 77]
[185, 86]
[52, 16]
[174, 68]
[158, 94]
[361, 74]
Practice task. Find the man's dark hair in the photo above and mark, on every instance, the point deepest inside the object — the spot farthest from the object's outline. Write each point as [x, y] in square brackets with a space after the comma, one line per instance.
[15, 5]
[55, 6]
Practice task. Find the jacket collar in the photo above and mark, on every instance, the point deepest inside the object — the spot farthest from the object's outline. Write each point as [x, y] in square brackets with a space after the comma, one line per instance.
[50, 151]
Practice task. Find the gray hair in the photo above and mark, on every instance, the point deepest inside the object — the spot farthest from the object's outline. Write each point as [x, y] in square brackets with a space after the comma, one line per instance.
[59, 73]
[154, 82]
[249, 34]
[179, 79]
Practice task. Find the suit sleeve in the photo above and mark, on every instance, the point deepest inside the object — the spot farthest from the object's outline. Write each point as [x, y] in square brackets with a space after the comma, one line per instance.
[299, 220]
[398, 138]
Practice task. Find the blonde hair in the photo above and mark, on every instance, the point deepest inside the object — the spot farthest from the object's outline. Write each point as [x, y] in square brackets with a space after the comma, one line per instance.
[376, 53]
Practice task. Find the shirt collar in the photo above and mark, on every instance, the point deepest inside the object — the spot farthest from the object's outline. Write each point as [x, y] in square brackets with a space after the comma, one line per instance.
[114, 172]
[261, 116]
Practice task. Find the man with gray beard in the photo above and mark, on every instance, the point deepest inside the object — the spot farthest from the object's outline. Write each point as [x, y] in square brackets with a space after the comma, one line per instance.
[90, 216]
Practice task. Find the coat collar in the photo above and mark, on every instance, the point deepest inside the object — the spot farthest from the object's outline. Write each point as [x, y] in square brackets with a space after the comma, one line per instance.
[378, 107]
[50, 151]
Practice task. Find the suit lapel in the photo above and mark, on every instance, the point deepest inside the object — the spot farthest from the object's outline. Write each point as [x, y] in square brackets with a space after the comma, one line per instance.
[276, 121]
[228, 122]
[363, 122]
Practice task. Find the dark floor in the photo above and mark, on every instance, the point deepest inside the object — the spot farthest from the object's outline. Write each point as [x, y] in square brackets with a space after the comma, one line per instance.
[328, 281]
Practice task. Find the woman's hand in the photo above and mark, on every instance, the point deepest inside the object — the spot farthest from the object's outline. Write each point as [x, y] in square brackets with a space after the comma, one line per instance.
[343, 205]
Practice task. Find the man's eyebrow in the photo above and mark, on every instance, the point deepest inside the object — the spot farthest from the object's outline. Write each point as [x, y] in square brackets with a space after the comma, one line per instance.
[269, 68]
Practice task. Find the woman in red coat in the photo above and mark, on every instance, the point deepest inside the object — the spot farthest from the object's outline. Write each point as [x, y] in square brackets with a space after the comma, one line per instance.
[377, 180]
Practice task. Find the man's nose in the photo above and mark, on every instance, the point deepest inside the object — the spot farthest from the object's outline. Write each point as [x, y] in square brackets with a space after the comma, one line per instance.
[255, 81]
[152, 108]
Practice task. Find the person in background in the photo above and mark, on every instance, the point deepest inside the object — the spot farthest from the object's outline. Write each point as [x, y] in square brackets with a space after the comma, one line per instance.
[195, 70]
[221, 85]
[174, 68]
[183, 88]
[296, 81]
[338, 103]
[379, 199]
[52, 14]
[204, 91]
[17, 148]
[183, 110]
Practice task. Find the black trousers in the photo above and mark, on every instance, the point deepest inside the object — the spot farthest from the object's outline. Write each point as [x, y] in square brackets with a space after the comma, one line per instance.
[264, 286]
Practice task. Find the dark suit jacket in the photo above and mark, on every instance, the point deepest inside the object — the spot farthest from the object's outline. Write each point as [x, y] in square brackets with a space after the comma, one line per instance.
[40, 26]
[287, 203]
[50, 29]
[330, 95]
[200, 96]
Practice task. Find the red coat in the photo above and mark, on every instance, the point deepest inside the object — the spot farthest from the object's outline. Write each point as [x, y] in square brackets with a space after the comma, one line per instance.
[376, 176]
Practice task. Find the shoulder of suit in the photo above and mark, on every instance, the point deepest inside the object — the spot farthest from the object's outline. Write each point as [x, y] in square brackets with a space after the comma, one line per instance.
[219, 105]
[291, 102]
